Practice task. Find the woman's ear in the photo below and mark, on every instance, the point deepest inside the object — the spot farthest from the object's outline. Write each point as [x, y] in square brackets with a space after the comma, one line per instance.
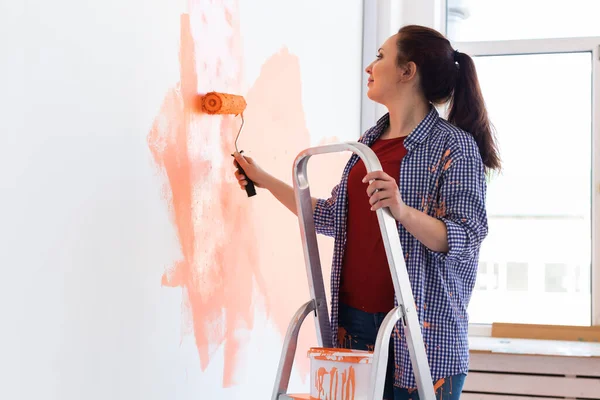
[407, 72]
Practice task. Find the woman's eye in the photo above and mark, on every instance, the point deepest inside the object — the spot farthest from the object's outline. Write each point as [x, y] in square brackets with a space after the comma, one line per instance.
[379, 56]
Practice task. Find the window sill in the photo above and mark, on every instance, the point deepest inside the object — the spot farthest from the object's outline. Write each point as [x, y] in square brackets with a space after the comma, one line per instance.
[533, 347]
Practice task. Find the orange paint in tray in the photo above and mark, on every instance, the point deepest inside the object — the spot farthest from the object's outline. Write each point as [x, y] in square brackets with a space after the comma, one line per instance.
[339, 374]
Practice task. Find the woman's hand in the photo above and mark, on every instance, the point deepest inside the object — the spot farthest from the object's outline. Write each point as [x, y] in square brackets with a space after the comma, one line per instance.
[383, 191]
[251, 170]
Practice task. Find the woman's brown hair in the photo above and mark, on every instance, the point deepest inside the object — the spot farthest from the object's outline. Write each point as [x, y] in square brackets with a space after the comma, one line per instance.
[448, 75]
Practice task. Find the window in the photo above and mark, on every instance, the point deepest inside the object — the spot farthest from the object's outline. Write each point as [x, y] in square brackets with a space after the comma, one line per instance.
[470, 20]
[517, 276]
[539, 67]
[539, 206]
[544, 208]
[487, 277]
[556, 278]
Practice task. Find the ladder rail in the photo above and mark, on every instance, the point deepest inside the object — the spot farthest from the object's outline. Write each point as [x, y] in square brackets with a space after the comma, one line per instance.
[311, 247]
[288, 351]
[381, 351]
[393, 249]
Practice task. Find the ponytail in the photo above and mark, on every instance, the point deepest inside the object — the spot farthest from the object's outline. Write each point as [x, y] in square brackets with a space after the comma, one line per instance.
[448, 75]
[468, 112]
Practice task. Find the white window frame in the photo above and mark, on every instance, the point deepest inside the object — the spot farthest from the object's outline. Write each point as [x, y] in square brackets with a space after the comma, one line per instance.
[383, 18]
[563, 45]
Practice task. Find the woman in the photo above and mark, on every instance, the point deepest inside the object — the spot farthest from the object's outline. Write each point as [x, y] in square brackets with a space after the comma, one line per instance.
[433, 182]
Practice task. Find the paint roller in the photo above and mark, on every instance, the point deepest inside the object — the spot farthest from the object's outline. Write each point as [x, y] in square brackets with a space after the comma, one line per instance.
[224, 103]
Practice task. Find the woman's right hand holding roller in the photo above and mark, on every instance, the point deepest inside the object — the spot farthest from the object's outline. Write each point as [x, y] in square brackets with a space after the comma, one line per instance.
[251, 169]
[281, 190]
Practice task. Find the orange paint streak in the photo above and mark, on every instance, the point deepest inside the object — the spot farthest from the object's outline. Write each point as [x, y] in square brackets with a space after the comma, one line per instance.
[319, 380]
[440, 210]
[218, 258]
[348, 384]
[348, 359]
[222, 258]
[438, 384]
[446, 160]
[447, 164]
[333, 376]
[282, 127]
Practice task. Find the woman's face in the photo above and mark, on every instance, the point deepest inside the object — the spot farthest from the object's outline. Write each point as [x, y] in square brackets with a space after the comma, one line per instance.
[385, 76]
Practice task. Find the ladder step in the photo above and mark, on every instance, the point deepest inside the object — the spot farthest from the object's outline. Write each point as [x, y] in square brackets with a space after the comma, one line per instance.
[300, 396]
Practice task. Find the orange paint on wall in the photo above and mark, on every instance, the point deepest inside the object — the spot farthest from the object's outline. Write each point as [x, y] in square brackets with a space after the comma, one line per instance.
[230, 243]
[200, 196]
[275, 133]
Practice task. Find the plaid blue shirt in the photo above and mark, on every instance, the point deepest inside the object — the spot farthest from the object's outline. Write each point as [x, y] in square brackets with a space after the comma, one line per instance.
[442, 175]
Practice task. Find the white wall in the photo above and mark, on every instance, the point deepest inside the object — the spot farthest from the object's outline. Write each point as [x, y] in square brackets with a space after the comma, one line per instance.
[86, 233]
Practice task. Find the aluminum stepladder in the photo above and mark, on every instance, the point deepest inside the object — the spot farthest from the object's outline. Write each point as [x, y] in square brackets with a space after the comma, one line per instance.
[406, 309]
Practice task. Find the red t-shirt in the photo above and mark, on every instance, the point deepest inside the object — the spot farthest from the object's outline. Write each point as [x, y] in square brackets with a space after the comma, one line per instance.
[366, 282]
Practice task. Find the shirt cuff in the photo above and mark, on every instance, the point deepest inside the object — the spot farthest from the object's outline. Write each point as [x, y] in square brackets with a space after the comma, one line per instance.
[320, 210]
[457, 241]
[323, 218]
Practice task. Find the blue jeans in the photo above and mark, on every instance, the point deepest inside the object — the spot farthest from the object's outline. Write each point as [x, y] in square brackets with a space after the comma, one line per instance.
[358, 330]
[450, 389]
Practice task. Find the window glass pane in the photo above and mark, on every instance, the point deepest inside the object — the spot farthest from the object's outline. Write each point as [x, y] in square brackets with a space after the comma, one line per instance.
[539, 207]
[517, 278]
[557, 276]
[470, 20]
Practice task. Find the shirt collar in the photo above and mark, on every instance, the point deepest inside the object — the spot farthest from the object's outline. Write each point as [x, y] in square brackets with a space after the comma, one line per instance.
[417, 136]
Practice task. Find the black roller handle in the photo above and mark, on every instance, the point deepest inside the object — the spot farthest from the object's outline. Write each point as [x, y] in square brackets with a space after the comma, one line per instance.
[250, 189]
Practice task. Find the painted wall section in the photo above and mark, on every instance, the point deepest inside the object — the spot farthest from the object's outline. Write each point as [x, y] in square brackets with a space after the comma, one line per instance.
[227, 241]
[134, 267]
